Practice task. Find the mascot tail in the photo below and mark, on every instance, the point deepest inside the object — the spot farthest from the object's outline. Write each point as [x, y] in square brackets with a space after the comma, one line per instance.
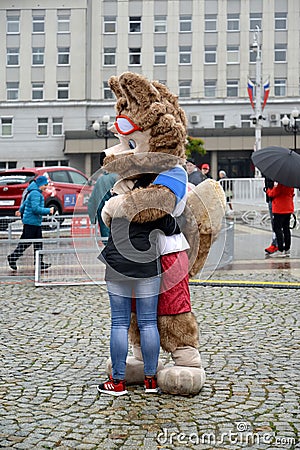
[204, 212]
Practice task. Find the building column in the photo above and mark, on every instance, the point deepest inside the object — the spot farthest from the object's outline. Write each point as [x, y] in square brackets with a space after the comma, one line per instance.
[214, 164]
[88, 165]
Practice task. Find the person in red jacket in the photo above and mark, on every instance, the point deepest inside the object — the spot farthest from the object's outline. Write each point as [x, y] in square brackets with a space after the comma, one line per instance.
[282, 208]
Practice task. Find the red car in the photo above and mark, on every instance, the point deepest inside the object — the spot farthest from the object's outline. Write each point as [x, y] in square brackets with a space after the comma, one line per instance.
[64, 191]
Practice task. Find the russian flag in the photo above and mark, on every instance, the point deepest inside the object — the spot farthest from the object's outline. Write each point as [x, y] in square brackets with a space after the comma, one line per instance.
[250, 88]
[266, 93]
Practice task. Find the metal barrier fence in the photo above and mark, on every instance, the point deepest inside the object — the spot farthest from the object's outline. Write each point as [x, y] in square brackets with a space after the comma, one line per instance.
[54, 226]
[70, 267]
[71, 259]
[249, 192]
[74, 260]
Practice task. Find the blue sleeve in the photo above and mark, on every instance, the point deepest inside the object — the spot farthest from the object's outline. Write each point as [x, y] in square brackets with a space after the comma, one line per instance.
[22, 207]
[175, 179]
[35, 198]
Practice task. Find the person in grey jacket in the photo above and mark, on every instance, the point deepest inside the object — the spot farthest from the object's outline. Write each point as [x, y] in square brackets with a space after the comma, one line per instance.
[31, 210]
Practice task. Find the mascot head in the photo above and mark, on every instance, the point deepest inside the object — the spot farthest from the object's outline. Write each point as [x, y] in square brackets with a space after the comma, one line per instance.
[150, 125]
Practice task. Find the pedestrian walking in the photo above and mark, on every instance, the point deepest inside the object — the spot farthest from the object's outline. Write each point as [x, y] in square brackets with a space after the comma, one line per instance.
[196, 176]
[282, 208]
[193, 172]
[273, 247]
[227, 187]
[31, 211]
[205, 168]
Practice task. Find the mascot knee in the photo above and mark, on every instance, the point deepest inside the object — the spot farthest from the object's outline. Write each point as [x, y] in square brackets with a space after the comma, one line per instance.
[178, 331]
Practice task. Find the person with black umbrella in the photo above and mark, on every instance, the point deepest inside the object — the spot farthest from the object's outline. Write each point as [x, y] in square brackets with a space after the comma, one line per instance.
[273, 247]
[282, 208]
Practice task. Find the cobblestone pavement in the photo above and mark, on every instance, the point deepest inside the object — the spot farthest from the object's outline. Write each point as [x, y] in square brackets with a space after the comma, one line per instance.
[54, 344]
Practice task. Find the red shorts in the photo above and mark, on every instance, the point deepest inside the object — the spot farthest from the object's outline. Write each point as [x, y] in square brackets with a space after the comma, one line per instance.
[174, 295]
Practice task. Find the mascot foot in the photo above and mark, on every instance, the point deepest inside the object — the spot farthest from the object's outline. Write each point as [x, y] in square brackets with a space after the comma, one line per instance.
[181, 380]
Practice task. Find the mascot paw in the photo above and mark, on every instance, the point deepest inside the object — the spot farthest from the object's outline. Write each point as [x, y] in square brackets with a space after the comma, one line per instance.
[134, 370]
[180, 380]
[112, 208]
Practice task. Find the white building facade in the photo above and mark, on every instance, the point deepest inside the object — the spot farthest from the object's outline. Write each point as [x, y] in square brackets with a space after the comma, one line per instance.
[56, 57]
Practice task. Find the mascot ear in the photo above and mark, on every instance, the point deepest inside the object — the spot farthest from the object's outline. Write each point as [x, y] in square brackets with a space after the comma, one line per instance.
[115, 86]
[140, 93]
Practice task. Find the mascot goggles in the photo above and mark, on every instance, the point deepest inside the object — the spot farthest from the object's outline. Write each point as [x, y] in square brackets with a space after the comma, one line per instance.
[124, 125]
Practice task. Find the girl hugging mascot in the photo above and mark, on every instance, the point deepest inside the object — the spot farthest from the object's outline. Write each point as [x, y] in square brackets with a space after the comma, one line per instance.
[149, 161]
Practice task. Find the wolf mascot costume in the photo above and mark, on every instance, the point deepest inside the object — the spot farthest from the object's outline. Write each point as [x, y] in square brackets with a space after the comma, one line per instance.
[151, 128]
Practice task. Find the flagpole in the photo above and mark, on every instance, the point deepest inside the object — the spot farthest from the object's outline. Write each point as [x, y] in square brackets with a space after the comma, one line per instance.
[258, 107]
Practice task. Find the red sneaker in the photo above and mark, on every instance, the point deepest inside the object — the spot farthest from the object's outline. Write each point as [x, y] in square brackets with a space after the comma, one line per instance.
[151, 385]
[271, 249]
[113, 387]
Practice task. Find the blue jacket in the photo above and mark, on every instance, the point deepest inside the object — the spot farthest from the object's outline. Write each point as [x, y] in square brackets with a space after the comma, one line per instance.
[33, 209]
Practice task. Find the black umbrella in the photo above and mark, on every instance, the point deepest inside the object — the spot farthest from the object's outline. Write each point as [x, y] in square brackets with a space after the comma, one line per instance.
[280, 164]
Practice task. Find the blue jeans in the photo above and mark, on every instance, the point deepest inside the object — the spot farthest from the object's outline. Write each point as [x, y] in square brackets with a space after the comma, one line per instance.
[146, 292]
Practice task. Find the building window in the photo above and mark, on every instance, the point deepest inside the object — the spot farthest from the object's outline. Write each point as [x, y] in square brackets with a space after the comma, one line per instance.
[280, 21]
[185, 54]
[110, 25]
[246, 121]
[232, 88]
[37, 91]
[185, 24]
[12, 90]
[12, 57]
[160, 24]
[210, 88]
[4, 165]
[38, 24]
[135, 25]
[38, 56]
[279, 87]
[134, 56]
[42, 126]
[233, 22]
[63, 56]
[233, 55]
[63, 23]
[252, 55]
[255, 21]
[210, 54]
[160, 56]
[57, 126]
[210, 23]
[107, 92]
[109, 56]
[185, 89]
[6, 126]
[280, 53]
[62, 91]
[13, 24]
[219, 121]
[51, 162]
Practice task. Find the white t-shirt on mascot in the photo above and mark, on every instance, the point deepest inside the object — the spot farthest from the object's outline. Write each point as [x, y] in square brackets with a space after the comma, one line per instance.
[177, 181]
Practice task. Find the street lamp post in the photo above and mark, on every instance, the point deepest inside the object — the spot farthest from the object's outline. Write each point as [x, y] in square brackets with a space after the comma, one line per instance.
[290, 124]
[101, 130]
